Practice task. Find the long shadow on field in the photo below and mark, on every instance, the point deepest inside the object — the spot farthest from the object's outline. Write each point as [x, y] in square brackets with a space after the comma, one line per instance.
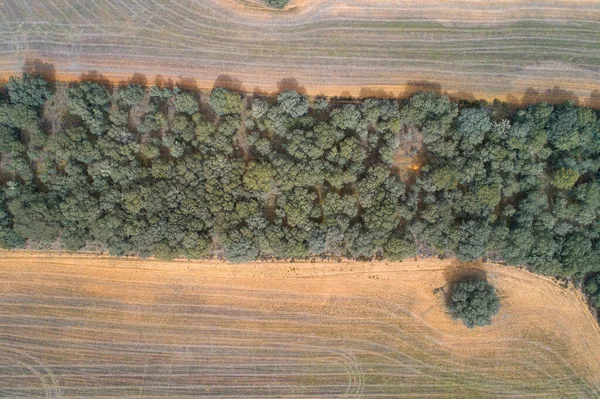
[594, 100]
[139, 79]
[554, 95]
[258, 92]
[187, 83]
[290, 84]
[228, 82]
[415, 86]
[460, 96]
[160, 81]
[374, 92]
[136, 78]
[95, 76]
[461, 271]
[37, 67]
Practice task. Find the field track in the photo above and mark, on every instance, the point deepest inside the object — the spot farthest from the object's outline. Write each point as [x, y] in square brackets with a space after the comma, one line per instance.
[77, 326]
[469, 48]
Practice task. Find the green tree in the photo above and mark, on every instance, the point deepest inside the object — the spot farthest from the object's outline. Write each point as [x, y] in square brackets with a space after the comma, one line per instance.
[225, 102]
[475, 302]
[474, 236]
[445, 178]
[259, 176]
[592, 289]
[28, 90]
[346, 118]
[90, 101]
[276, 3]
[241, 251]
[162, 94]
[186, 103]
[399, 248]
[565, 178]
[321, 103]
[473, 124]
[130, 95]
[292, 103]
[259, 108]
[280, 181]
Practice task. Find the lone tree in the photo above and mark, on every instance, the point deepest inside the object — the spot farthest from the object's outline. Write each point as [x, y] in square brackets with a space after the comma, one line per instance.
[276, 3]
[475, 302]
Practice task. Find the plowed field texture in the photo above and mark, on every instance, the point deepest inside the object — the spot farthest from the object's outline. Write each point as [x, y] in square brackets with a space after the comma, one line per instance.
[82, 326]
[516, 50]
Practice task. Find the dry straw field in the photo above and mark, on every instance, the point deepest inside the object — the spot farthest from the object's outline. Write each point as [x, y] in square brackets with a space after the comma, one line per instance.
[470, 48]
[85, 326]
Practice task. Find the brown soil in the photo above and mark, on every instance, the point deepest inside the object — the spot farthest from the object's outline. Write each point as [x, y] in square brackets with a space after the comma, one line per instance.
[523, 94]
[514, 50]
[81, 326]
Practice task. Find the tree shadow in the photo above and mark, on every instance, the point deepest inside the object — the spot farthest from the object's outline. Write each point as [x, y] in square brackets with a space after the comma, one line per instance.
[554, 95]
[375, 92]
[513, 100]
[162, 82]
[95, 76]
[228, 82]
[136, 78]
[459, 272]
[530, 96]
[416, 86]
[594, 100]
[258, 92]
[290, 84]
[37, 67]
[344, 96]
[139, 79]
[461, 96]
[187, 83]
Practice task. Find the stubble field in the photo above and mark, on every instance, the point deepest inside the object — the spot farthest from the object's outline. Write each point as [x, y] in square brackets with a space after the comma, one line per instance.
[87, 326]
[510, 49]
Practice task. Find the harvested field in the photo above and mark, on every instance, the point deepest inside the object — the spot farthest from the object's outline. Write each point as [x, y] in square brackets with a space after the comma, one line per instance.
[87, 326]
[510, 49]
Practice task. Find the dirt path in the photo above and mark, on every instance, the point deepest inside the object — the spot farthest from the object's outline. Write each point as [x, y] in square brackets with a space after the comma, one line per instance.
[80, 326]
[511, 49]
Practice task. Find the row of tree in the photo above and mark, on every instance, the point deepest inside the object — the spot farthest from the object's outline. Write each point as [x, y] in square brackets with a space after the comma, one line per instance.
[171, 173]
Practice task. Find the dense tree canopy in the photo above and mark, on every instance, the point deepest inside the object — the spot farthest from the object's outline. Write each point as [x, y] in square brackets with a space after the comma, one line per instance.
[173, 173]
[28, 90]
[592, 289]
[474, 302]
[223, 101]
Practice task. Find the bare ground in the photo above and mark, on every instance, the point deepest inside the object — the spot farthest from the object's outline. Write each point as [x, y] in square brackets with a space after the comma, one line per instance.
[515, 50]
[91, 326]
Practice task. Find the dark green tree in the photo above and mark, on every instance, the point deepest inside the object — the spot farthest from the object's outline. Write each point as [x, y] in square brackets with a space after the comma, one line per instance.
[399, 248]
[130, 95]
[28, 90]
[592, 289]
[276, 3]
[475, 302]
[161, 175]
